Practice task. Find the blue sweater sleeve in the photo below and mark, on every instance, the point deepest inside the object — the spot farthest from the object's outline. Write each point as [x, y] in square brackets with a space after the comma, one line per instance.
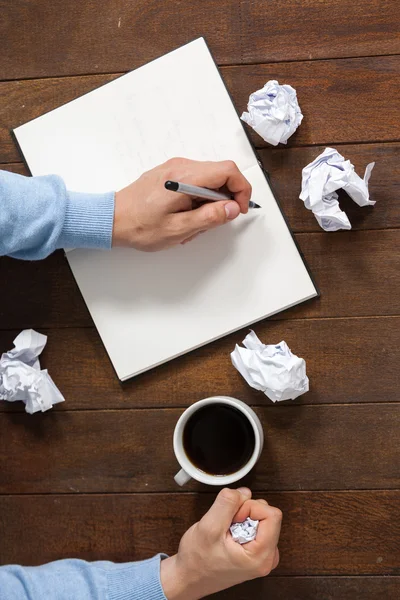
[38, 215]
[78, 580]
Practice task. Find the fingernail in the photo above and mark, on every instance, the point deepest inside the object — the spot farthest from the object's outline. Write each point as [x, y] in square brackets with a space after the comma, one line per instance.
[232, 210]
[244, 491]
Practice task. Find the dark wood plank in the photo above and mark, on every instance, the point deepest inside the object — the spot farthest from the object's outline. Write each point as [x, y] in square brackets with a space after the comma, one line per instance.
[339, 99]
[356, 271]
[323, 533]
[291, 30]
[306, 448]
[40, 292]
[17, 167]
[354, 350]
[315, 588]
[353, 279]
[285, 165]
[121, 37]
[118, 37]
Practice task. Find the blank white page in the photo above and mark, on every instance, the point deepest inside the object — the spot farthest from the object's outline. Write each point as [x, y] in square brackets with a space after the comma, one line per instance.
[149, 308]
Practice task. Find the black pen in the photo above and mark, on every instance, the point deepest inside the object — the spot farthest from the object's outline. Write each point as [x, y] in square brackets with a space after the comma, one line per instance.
[200, 192]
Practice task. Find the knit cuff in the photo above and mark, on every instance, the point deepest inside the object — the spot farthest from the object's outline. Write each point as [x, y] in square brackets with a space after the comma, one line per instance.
[139, 581]
[88, 221]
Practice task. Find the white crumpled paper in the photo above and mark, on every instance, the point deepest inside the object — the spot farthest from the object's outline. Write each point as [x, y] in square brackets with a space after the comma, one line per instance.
[21, 377]
[274, 112]
[272, 369]
[244, 532]
[320, 180]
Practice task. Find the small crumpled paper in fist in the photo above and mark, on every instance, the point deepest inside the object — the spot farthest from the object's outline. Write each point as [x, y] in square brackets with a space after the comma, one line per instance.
[272, 369]
[21, 377]
[320, 180]
[244, 532]
[274, 112]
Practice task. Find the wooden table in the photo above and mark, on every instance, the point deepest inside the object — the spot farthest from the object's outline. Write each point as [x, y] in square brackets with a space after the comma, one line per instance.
[93, 478]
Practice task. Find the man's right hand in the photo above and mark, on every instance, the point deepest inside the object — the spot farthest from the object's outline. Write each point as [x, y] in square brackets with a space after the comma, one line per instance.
[208, 560]
[148, 217]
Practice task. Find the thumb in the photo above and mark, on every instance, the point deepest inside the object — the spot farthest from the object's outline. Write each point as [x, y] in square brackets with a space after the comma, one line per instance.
[207, 216]
[219, 518]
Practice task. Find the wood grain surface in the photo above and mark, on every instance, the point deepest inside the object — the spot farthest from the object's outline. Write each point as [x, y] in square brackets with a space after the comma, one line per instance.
[316, 588]
[323, 533]
[78, 39]
[93, 478]
[337, 97]
[79, 365]
[306, 448]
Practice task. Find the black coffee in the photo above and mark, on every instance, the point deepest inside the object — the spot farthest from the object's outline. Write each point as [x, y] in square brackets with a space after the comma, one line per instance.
[218, 439]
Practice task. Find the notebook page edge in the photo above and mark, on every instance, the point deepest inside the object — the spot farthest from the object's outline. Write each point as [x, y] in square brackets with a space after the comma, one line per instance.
[299, 250]
[246, 135]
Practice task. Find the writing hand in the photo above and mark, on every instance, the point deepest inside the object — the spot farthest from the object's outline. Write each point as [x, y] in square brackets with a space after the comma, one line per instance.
[148, 217]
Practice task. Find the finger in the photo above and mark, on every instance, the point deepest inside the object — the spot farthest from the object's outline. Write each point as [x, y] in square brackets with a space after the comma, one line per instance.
[212, 175]
[219, 518]
[255, 509]
[268, 531]
[226, 173]
[192, 237]
[205, 217]
[245, 491]
[189, 239]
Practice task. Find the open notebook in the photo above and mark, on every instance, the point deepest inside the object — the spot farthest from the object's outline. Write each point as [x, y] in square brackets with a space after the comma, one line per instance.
[150, 308]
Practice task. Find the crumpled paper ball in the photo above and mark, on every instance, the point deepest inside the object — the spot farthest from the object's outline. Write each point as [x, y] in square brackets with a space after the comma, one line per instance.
[320, 180]
[274, 112]
[245, 532]
[21, 378]
[272, 369]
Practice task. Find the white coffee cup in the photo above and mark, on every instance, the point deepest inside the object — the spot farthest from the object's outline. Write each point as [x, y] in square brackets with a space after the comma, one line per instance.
[189, 471]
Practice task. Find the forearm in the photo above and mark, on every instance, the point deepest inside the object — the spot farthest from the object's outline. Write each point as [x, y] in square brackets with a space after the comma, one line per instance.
[80, 580]
[38, 215]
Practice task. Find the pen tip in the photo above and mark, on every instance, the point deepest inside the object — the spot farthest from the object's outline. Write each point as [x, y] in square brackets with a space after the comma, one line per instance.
[254, 205]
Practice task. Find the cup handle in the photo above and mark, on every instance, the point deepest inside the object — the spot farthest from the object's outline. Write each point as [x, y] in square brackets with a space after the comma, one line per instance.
[182, 477]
